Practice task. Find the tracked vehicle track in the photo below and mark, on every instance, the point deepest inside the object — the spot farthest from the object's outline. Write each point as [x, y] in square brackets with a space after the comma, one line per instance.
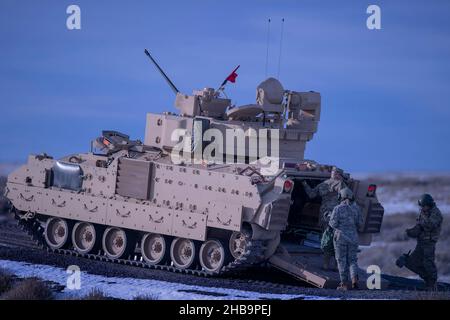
[247, 280]
[254, 252]
[263, 281]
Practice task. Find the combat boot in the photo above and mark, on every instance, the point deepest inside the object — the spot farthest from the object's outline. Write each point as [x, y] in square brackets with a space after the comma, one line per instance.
[342, 287]
[355, 285]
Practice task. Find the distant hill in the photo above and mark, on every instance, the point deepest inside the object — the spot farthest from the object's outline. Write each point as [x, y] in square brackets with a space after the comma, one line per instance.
[6, 168]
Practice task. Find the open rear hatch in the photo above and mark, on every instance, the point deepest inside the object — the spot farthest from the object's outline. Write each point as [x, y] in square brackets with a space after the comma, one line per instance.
[299, 253]
[305, 263]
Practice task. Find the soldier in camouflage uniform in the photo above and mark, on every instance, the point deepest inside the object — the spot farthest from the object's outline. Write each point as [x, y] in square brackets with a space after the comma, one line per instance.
[346, 219]
[426, 231]
[328, 190]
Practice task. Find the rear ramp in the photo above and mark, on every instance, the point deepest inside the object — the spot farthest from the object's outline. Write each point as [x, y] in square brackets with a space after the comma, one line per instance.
[305, 263]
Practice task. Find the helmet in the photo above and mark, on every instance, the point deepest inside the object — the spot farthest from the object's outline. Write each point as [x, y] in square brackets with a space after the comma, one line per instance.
[345, 193]
[337, 170]
[426, 200]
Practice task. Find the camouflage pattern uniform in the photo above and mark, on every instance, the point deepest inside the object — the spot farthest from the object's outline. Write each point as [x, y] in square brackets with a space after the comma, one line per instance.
[426, 231]
[345, 219]
[328, 191]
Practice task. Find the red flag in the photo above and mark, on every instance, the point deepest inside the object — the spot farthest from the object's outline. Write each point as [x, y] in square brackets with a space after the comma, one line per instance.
[232, 77]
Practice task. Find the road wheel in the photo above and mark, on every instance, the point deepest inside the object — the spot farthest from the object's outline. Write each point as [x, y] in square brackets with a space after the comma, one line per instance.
[116, 243]
[85, 237]
[212, 256]
[183, 253]
[56, 233]
[238, 243]
[154, 248]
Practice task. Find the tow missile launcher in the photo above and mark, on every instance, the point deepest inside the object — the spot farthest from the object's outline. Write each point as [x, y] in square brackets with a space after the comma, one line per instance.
[189, 198]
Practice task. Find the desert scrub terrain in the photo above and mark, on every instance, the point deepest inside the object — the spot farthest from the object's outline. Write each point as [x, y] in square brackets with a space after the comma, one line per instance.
[6, 281]
[94, 294]
[398, 193]
[13, 288]
[28, 289]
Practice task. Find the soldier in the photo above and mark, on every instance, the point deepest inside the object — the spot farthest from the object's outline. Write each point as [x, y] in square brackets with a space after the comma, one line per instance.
[328, 190]
[426, 231]
[345, 219]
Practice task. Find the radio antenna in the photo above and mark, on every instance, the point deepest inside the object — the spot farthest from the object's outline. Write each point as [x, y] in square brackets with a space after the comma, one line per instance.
[281, 46]
[267, 51]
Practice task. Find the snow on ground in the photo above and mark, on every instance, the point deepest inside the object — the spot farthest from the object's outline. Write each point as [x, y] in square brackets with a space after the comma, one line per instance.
[129, 288]
[393, 176]
[405, 200]
[398, 192]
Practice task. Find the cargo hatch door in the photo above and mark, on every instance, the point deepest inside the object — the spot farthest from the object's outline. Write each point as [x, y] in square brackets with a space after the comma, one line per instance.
[305, 263]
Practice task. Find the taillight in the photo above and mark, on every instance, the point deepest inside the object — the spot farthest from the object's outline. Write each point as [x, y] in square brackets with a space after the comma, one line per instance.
[288, 185]
[371, 190]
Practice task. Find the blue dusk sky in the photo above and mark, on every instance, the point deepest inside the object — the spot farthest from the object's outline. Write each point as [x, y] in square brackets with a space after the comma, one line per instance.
[384, 92]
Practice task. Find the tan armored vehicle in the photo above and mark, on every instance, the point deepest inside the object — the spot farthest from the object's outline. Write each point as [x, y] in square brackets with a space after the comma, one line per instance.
[190, 198]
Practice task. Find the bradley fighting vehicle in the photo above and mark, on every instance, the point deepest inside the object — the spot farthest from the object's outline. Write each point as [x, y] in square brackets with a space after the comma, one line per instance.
[136, 202]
